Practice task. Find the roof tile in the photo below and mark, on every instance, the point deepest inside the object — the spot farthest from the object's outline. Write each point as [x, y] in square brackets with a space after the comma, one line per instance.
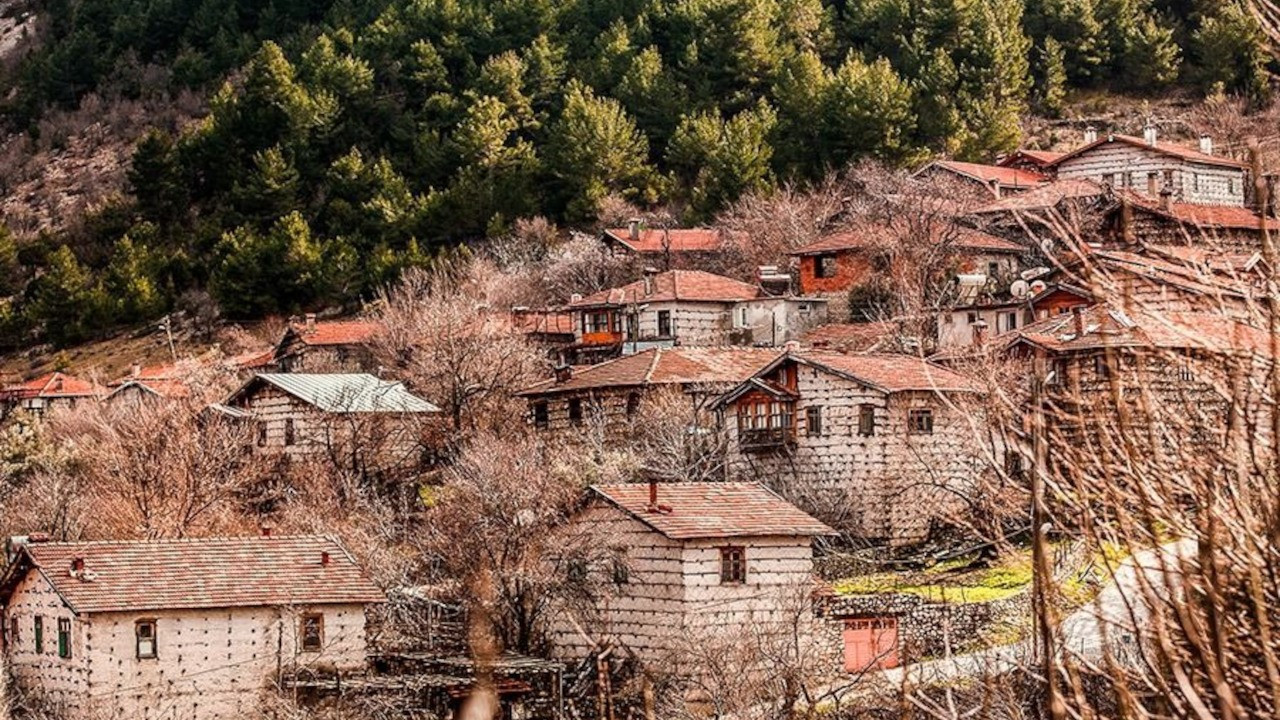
[713, 510]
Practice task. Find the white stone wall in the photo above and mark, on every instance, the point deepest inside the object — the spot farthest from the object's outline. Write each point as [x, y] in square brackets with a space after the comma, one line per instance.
[774, 321]
[955, 327]
[1192, 182]
[774, 566]
[62, 682]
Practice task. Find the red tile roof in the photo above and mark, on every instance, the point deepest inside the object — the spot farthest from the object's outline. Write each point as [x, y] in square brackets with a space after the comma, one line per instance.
[880, 236]
[1169, 273]
[1006, 176]
[1106, 326]
[1048, 196]
[890, 373]
[713, 510]
[657, 240]
[664, 366]
[253, 359]
[1209, 259]
[1042, 157]
[1226, 217]
[345, 332]
[686, 285]
[51, 385]
[850, 337]
[1164, 148]
[544, 322]
[200, 573]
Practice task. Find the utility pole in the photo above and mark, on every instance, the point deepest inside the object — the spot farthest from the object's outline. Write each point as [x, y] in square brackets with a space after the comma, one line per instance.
[166, 324]
[1043, 570]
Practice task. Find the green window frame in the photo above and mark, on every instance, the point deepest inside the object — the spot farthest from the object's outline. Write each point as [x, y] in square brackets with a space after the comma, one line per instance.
[64, 638]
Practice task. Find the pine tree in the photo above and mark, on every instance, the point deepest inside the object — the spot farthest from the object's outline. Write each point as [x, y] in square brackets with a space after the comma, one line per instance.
[1229, 53]
[155, 179]
[714, 162]
[10, 268]
[130, 282]
[1152, 58]
[1051, 85]
[867, 112]
[65, 301]
[270, 191]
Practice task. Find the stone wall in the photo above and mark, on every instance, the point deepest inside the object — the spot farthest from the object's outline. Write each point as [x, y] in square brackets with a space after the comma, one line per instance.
[926, 627]
[1130, 167]
[62, 682]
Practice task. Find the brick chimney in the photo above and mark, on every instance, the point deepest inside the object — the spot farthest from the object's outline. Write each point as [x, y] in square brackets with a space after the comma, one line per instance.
[135, 370]
[563, 373]
[1150, 135]
[654, 506]
[77, 565]
[311, 322]
[1206, 144]
[1077, 314]
[1166, 198]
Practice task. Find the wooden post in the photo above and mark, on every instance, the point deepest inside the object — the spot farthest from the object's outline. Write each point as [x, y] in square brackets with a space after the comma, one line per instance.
[1042, 575]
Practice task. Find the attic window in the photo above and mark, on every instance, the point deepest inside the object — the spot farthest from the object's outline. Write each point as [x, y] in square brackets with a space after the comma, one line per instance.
[813, 420]
[633, 403]
[312, 632]
[144, 632]
[920, 421]
[39, 634]
[824, 266]
[733, 565]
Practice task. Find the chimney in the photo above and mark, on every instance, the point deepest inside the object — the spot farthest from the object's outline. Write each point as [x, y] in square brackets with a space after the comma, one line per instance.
[653, 494]
[575, 297]
[1166, 198]
[1206, 144]
[77, 565]
[633, 229]
[135, 370]
[324, 557]
[265, 529]
[1090, 135]
[979, 332]
[649, 274]
[563, 372]
[791, 346]
[1077, 314]
[311, 322]
[1149, 134]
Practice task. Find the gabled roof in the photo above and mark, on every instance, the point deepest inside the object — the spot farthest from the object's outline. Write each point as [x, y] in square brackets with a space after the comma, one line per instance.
[851, 337]
[876, 235]
[197, 573]
[343, 332]
[542, 322]
[340, 392]
[1208, 259]
[1107, 326]
[986, 174]
[1038, 157]
[171, 389]
[1168, 273]
[688, 511]
[889, 373]
[51, 385]
[1163, 148]
[1046, 197]
[674, 285]
[663, 366]
[1209, 217]
[253, 359]
[658, 240]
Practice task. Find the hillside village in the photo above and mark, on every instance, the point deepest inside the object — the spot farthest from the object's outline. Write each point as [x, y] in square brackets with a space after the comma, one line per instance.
[723, 479]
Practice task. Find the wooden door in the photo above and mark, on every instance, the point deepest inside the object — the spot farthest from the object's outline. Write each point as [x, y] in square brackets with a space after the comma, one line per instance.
[870, 643]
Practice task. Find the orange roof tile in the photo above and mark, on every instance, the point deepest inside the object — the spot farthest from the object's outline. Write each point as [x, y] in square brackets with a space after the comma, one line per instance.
[890, 373]
[1228, 217]
[1042, 157]
[1170, 273]
[253, 359]
[1006, 176]
[673, 285]
[850, 337]
[688, 511]
[1045, 197]
[51, 385]
[544, 322]
[199, 573]
[1105, 326]
[664, 366]
[658, 240]
[1164, 148]
[879, 236]
[344, 332]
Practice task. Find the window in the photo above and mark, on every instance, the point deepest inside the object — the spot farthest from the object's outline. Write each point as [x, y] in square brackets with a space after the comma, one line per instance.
[920, 421]
[824, 266]
[742, 317]
[621, 573]
[1153, 179]
[664, 323]
[596, 322]
[1231, 185]
[1109, 179]
[541, 418]
[262, 434]
[64, 637]
[39, 635]
[1101, 368]
[1185, 372]
[1195, 181]
[993, 269]
[144, 632]
[973, 318]
[575, 411]
[14, 635]
[1007, 322]
[813, 420]
[1057, 373]
[312, 632]
[866, 419]
[288, 431]
[733, 565]
[1168, 178]
[633, 403]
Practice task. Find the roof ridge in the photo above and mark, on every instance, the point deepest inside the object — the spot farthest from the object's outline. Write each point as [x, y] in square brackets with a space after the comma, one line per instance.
[653, 366]
[185, 540]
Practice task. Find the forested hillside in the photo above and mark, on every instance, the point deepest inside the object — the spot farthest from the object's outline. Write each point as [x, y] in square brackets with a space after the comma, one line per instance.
[348, 139]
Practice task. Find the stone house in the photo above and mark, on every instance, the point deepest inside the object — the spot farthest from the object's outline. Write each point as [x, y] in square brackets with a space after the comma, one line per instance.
[157, 382]
[975, 319]
[1036, 161]
[609, 395]
[686, 308]
[299, 414]
[331, 346]
[50, 392]
[1145, 165]
[879, 446]
[689, 563]
[1137, 221]
[995, 180]
[196, 629]
[837, 263]
[664, 248]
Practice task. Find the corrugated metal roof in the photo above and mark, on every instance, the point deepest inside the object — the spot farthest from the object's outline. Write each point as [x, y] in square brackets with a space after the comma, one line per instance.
[348, 392]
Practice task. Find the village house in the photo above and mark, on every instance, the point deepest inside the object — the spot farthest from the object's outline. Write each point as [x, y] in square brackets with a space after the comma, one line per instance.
[1145, 165]
[48, 393]
[609, 395]
[300, 414]
[837, 263]
[879, 446]
[1036, 161]
[1048, 217]
[330, 346]
[197, 629]
[999, 181]
[980, 312]
[690, 564]
[664, 248]
[157, 382]
[686, 308]
[1136, 221]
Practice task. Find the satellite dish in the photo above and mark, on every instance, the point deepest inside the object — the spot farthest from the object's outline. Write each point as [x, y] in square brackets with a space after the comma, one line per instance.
[1038, 287]
[1019, 289]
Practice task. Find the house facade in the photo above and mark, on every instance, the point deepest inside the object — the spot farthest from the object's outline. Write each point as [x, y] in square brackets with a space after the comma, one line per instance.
[879, 446]
[331, 346]
[48, 393]
[976, 320]
[689, 565]
[993, 180]
[686, 308]
[195, 629]
[300, 414]
[664, 248]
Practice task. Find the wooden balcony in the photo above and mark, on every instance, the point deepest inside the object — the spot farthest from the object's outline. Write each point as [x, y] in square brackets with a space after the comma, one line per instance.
[601, 338]
[766, 440]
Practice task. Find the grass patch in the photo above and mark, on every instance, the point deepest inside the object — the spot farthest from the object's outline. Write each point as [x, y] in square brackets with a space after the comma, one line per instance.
[947, 582]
